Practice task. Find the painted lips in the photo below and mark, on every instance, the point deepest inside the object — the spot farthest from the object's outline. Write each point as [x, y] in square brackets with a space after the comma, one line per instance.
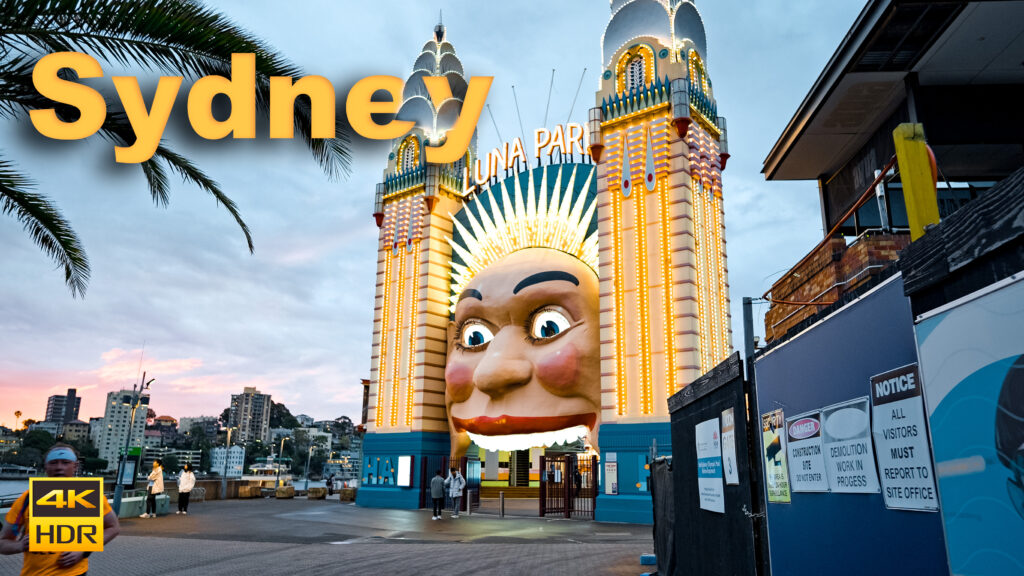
[505, 424]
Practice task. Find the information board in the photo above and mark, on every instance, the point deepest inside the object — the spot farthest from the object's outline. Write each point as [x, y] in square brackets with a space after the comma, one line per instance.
[775, 472]
[709, 466]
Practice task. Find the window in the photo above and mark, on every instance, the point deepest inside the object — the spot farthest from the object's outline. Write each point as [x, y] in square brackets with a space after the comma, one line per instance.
[635, 74]
[408, 156]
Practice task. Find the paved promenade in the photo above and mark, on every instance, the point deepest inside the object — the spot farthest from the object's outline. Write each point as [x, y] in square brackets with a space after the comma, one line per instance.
[328, 537]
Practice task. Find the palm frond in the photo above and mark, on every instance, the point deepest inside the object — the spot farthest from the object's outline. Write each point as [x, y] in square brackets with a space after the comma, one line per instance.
[44, 223]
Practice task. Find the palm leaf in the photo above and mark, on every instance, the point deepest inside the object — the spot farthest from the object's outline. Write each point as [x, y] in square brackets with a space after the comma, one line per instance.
[45, 225]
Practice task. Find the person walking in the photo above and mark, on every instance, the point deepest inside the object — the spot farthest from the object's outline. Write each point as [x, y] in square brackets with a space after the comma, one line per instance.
[186, 482]
[330, 485]
[156, 486]
[455, 483]
[437, 494]
[61, 461]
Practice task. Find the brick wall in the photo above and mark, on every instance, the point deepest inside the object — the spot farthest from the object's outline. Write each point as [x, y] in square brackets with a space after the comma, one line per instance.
[833, 269]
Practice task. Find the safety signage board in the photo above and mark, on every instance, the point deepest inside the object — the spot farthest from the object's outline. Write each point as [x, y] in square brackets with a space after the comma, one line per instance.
[806, 456]
[846, 438]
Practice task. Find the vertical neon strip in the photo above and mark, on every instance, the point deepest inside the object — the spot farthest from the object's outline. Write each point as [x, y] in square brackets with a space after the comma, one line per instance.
[642, 296]
[395, 382]
[615, 196]
[413, 310]
[382, 351]
[669, 311]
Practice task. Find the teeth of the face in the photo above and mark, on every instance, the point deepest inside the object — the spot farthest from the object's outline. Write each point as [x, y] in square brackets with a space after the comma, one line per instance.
[524, 441]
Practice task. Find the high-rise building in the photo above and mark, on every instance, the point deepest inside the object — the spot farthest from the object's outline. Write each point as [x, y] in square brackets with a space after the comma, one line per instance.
[250, 414]
[63, 407]
[117, 425]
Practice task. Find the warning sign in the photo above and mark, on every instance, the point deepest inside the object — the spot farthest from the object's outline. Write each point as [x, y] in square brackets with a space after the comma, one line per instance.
[901, 440]
[846, 438]
[806, 457]
[773, 440]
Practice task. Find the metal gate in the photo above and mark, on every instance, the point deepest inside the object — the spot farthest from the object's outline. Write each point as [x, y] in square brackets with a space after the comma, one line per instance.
[568, 485]
[705, 541]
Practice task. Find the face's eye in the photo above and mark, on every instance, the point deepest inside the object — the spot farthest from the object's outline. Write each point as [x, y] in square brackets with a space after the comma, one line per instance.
[548, 324]
[475, 334]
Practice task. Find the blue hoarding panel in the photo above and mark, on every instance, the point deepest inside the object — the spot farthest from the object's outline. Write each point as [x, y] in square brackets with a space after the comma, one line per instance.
[831, 362]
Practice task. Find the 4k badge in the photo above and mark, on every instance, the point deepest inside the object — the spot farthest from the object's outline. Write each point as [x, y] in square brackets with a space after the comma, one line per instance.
[66, 515]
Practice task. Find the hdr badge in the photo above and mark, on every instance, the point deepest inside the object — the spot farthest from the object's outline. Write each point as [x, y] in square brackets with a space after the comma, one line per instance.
[67, 515]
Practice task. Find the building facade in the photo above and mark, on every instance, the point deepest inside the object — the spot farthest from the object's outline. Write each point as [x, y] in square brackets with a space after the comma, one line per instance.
[614, 260]
[250, 414]
[117, 425]
[235, 461]
[209, 424]
[63, 408]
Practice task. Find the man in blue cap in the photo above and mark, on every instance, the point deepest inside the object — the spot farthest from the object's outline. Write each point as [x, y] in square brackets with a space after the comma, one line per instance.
[61, 461]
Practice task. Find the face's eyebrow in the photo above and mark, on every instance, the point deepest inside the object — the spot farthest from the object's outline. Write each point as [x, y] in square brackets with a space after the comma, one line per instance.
[545, 277]
[471, 293]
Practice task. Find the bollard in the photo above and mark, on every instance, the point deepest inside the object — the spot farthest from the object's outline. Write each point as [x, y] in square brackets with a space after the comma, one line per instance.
[501, 504]
[469, 502]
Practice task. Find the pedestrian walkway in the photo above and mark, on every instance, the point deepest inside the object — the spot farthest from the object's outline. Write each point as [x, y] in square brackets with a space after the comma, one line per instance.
[326, 536]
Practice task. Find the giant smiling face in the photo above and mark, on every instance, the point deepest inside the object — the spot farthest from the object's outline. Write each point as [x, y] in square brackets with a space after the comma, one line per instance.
[524, 354]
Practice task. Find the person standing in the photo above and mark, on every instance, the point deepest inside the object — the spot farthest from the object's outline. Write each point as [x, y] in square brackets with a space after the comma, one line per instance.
[61, 461]
[437, 494]
[330, 485]
[455, 483]
[156, 486]
[186, 482]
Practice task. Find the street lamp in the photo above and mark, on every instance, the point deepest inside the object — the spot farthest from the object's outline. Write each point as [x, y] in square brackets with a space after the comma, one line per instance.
[136, 399]
[224, 479]
[280, 456]
[312, 447]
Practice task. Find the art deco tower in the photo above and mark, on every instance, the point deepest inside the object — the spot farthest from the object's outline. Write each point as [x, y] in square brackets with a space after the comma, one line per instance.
[413, 206]
[661, 147]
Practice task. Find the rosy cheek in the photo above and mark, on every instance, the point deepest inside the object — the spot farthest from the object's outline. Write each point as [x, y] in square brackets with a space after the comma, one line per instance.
[458, 377]
[559, 369]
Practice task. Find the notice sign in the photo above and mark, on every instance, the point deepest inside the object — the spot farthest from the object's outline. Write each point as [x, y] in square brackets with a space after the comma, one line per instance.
[846, 437]
[732, 475]
[709, 466]
[611, 478]
[901, 443]
[803, 440]
[775, 473]
[67, 515]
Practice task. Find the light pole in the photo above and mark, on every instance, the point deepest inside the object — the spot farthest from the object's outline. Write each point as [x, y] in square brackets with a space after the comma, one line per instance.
[137, 390]
[224, 479]
[312, 447]
[281, 457]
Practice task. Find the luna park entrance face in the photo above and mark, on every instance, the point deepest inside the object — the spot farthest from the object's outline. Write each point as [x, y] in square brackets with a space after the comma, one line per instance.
[568, 485]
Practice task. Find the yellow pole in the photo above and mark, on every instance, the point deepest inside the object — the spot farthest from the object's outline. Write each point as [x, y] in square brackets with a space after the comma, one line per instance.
[916, 174]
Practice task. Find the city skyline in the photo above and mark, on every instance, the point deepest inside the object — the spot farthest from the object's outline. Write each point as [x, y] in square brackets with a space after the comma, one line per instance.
[295, 319]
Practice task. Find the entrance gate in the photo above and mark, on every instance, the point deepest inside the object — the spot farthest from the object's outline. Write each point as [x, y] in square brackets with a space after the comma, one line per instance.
[568, 486]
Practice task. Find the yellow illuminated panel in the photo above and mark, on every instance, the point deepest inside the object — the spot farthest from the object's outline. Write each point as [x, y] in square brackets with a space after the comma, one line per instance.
[641, 50]
[413, 309]
[397, 360]
[383, 335]
[617, 286]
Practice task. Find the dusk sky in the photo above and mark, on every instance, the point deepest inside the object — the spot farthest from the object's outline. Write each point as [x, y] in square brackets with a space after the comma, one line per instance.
[295, 318]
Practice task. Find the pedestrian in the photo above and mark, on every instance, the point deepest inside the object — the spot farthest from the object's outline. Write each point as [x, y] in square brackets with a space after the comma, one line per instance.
[155, 486]
[186, 481]
[61, 461]
[330, 485]
[455, 483]
[437, 494]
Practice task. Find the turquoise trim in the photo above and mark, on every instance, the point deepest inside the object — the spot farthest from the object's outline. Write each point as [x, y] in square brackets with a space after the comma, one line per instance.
[388, 447]
[631, 444]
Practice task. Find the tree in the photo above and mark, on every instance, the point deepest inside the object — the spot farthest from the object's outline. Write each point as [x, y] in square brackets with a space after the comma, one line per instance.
[177, 37]
[281, 417]
[93, 465]
[171, 463]
[39, 439]
[225, 417]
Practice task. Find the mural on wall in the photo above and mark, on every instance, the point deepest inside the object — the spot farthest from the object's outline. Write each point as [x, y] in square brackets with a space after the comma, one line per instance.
[523, 363]
[972, 361]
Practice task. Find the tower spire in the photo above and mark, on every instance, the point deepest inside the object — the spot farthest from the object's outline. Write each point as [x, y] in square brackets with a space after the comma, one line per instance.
[439, 29]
